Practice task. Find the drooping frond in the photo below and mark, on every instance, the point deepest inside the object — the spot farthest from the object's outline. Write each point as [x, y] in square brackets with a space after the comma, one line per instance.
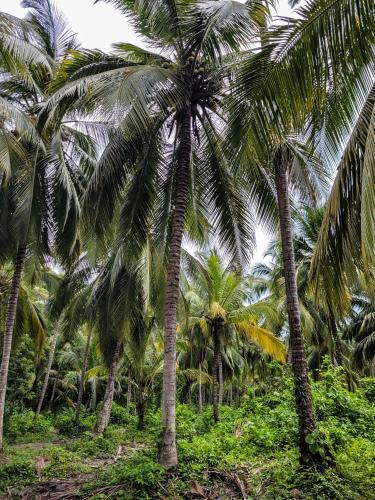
[263, 338]
[347, 219]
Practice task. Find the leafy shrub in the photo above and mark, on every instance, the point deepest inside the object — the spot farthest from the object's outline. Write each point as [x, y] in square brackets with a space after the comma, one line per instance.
[90, 445]
[140, 471]
[23, 471]
[65, 423]
[23, 426]
[87, 421]
[357, 463]
[64, 463]
[121, 416]
[368, 387]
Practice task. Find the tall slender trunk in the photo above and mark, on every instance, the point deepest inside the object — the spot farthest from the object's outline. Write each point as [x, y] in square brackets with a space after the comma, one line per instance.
[92, 404]
[53, 392]
[230, 394]
[253, 376]
[189, 394]
[200, 402]
[215, 370]
[221, 380]
[105, 413]
[8, 334]
[83, 371]
[301, 382]
[129, 394]
[51, 357]
[168, 451]
[141, 409]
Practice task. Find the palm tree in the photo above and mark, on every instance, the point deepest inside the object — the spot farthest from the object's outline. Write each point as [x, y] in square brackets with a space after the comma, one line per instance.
[266, 80]
[68, 313]
[175, 93]
[220, 298]
[44, 184]
[320, 319]
[17, 53]
[113, 305]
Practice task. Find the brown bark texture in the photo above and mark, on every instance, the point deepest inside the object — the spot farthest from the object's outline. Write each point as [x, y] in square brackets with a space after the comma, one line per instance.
[105, 413]
[299, 366]
[168, 451]
[83, 371]
[8, 333]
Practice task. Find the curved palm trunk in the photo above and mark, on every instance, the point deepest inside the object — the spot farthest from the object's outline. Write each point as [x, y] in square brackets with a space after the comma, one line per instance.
[84, 370]
[51, 357]
[168, 452]
[105, 413]
[301, 382]
[215, 370]
[8, 334]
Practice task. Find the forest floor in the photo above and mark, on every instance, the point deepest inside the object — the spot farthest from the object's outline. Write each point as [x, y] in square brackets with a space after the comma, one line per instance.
[250, 454]
[63, 488]
[221, 484]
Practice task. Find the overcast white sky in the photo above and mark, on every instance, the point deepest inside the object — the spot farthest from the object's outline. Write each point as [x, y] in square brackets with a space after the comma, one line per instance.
[100, 25]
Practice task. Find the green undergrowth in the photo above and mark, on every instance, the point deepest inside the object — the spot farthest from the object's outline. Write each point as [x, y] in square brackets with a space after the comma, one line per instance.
[255, 441]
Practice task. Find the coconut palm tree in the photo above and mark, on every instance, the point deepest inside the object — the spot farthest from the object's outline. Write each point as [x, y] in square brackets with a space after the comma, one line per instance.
[174, 93]
[266, 80]
[67, 310]
[45, 178]
[16, 53]
[222, 315]
[320, 319]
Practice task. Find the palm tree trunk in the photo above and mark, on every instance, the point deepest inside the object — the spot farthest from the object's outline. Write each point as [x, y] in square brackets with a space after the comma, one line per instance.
[215, 369]
[189, 394]
[129, 394]
[221, 381]
[51, 357]
[92, 404]
[8, 334]
[238, 395]
[141, 410]
[253, 375]
[301, 382]
[200, 402]
[105, 413]
[82, 379]
[53, 392]
[168, 451]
